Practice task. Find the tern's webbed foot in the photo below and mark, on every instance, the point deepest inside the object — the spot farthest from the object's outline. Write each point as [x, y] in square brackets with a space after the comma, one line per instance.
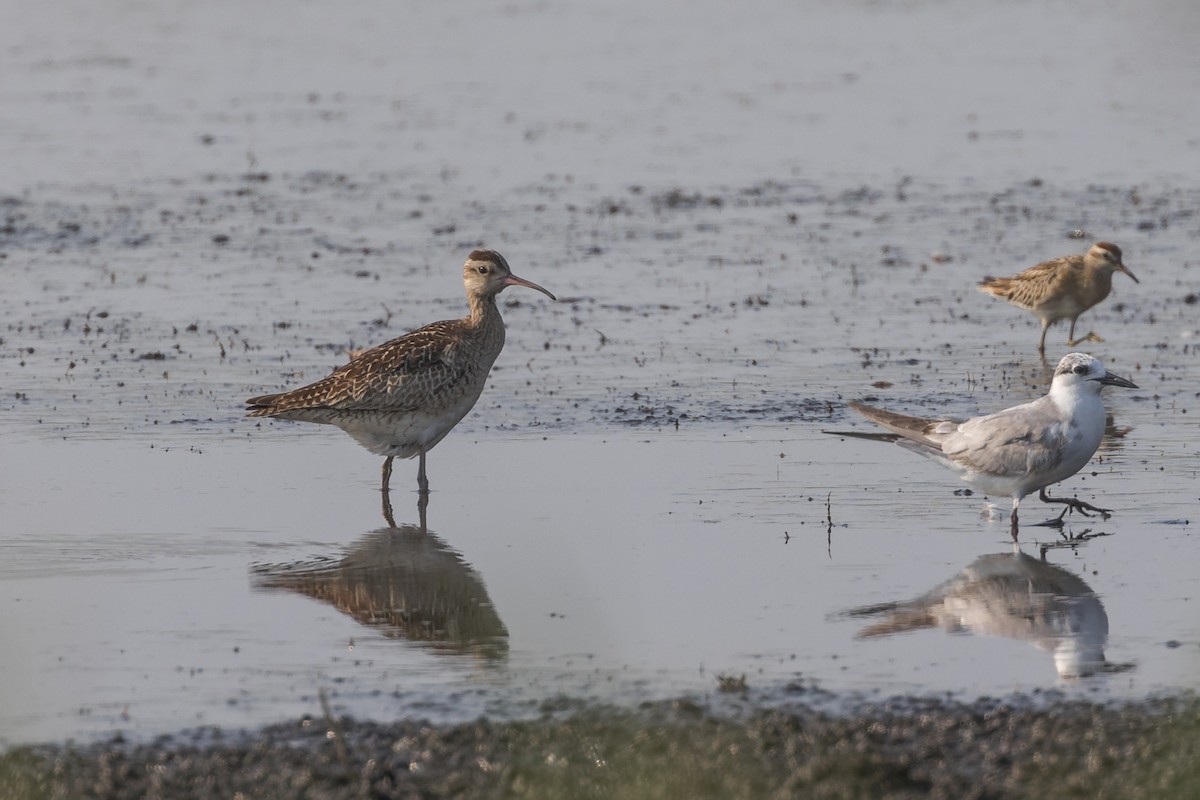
[1072, 504]
[1057, 522]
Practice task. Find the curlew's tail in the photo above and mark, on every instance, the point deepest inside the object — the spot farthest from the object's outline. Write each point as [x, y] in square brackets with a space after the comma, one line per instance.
[262, 406]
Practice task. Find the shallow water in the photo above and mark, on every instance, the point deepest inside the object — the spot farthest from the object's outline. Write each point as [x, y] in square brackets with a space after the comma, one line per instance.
[643, 498]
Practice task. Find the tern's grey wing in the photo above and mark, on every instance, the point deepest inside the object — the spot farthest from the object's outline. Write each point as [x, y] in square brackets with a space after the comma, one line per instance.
[1025, 439]
[915, 429]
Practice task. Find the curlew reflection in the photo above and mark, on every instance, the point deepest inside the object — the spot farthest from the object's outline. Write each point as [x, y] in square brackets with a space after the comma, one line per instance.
[1012, 595]
[1114, 436]
[405, 582]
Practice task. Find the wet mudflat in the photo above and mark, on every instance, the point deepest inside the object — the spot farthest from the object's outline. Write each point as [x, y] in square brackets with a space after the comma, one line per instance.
[644, 505]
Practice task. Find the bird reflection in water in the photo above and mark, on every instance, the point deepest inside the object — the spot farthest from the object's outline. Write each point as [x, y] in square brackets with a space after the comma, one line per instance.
[1011, 595]
[405, 582]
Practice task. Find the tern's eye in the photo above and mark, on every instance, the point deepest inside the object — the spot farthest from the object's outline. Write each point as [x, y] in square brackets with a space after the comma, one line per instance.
[482, 268]
[1081, 369]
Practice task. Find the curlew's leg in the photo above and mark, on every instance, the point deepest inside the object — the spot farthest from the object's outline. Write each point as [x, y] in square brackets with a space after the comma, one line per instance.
[422, 491]
[1072, 504]
[387, 512]
[1042, 341]
[385, 492]
[422, 481]
[387, 473]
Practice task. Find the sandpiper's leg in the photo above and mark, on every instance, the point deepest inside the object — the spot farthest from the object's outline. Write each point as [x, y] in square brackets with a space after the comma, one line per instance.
[1092, 336]
[422, 481]
[1072, 504]
[422, 504]
[1015, 527]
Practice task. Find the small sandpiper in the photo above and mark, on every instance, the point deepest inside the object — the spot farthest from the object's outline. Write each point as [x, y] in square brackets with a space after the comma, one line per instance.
[401, 398]
[1062, 288]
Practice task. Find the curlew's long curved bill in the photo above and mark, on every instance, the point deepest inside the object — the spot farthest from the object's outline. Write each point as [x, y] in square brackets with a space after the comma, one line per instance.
[513, 280]
[1116, 380]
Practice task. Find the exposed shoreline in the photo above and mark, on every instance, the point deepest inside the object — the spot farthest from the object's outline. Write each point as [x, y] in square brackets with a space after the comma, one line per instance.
[906, 747]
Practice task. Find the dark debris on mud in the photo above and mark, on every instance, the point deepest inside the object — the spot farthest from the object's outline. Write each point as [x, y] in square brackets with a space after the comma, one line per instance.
[905, 749]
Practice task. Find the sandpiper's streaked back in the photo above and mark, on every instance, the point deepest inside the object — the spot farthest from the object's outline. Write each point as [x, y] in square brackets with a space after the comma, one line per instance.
[401, 398]
[1022, 449]
[1062, 288]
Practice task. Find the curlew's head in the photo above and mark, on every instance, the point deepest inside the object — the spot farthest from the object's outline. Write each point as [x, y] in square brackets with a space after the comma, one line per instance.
[1107, 256]
[1080, 371]
[486, 274]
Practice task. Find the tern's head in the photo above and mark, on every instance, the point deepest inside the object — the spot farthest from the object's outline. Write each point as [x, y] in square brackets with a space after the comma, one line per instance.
[1080, 371]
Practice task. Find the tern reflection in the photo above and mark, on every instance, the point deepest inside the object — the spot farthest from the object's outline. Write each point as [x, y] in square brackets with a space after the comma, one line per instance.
[1012, 595]
[405, 582]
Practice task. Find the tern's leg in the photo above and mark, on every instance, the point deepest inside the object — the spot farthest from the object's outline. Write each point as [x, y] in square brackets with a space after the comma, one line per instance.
[1072, 504]
[422, 481]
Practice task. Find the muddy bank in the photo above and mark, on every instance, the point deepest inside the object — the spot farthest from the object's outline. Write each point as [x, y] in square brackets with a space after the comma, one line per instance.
[706, 336]
[133, 311]
[906, 748]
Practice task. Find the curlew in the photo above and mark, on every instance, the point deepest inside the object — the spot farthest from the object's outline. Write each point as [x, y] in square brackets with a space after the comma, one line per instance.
[400, 399]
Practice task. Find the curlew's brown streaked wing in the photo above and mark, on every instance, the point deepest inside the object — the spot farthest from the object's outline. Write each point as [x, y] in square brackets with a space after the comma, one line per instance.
[397, 376]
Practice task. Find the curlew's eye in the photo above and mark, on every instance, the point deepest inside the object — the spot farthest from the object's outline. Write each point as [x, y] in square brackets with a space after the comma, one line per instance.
[1081, 369]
